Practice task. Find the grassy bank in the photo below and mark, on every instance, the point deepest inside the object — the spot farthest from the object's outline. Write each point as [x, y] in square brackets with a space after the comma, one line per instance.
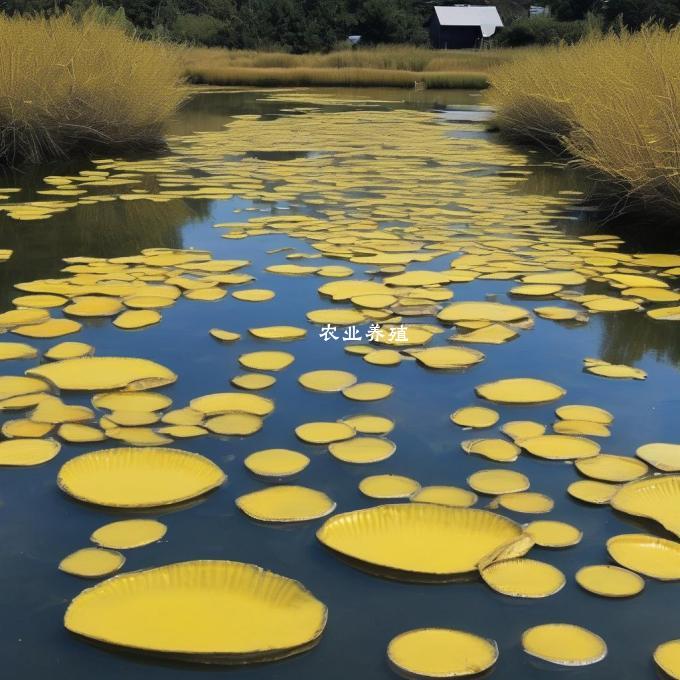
[67, 85]
[613, 103]
[382, 66]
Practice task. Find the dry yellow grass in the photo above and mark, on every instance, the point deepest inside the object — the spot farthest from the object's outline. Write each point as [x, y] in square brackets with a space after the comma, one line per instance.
[67, 85]
[381, 66]
[612, 102]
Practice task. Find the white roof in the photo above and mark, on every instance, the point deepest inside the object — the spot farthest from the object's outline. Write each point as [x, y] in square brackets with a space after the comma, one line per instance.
[484, 16]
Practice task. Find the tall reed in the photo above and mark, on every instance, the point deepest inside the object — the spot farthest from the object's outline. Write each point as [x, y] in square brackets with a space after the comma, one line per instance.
[68, 85]
[612, 102]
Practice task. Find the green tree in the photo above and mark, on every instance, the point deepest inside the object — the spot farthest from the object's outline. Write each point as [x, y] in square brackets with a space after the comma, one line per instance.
[636, 13]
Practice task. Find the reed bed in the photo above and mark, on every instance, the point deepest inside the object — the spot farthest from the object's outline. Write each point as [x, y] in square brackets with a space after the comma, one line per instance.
[381, 66]
[612, 102]
[67, 86]
[343, 77]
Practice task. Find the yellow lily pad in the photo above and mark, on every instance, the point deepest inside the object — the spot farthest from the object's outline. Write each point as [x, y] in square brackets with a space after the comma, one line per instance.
[522, 577]
[27, 452]
[609, 468]
[475, 416]
[92, 562]
[368, 424]
[388, 486]
[286, 504]
[564, 644]
[452, 496]
[526, 501]
[286, 618]
[662, 456]
[362, 449]
[266, 361]
[441, 653]
[418, 540]
[553, 534]
[560, 447]
[496, 482]
[448, 357]
[667, 658]
[11, 351]
[327, 380]
[234, 424]
[104, 373]
[129, 533]
[520, 391]
[225, 402]
[500, 450]
[77, 433]
[324, 432]
[253, 381]
[69, 350]
[608, 580]
[368, 391]
[138, 477]
[278, 332]
[131, 401]
[276, 462]
[648, 555]
[137, 318]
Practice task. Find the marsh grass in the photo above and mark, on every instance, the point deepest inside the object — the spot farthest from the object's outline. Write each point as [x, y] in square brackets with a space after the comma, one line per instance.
[67, 86]
[612, 102]
[381, 66]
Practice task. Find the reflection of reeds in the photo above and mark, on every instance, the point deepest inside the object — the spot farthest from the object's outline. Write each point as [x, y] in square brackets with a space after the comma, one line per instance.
[66, 84]
[381, 66]
[613, 102]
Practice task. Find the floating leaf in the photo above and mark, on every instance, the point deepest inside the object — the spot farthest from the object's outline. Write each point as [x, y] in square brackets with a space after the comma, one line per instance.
[92, 562]
[27, 452]
[388, 486]
[418, 539]
[441, 653]
[607, 580]
[286, 504]
[475, 416]
[129, 533]
[104, 373]
[552, 534]
[648, 555]
[564, 644]
[520, 391]
[276, 462]
[285, 618]
[452, 496]
[362, 450]
[523, 577]
[138, 478]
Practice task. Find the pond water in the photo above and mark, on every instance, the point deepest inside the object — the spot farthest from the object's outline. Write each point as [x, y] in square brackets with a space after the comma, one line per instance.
[422, 166]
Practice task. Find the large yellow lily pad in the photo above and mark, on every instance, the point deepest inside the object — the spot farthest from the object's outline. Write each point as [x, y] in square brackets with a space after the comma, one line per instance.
[27, 452]
[138, 477]
[418, 539]
[104, 373]
[608, 580]
[648, 555]
[178, 610]
[656, 498]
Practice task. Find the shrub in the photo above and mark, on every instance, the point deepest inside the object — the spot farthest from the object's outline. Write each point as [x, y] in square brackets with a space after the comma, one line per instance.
[68, 85]
[612, 102]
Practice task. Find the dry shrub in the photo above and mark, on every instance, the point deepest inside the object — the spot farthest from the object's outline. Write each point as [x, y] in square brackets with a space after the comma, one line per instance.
[612, 102]
[67, 86]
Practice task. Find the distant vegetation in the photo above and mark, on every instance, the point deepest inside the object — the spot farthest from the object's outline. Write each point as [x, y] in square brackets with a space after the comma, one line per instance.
[380, 66]
[301, 26]
[612, 102]
[67, 85]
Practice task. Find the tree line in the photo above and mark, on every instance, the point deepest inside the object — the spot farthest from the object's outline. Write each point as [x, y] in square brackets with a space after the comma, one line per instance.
[320, 25]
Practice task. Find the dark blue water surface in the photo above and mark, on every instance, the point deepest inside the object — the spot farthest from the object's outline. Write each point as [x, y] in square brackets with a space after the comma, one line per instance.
[39, 525]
